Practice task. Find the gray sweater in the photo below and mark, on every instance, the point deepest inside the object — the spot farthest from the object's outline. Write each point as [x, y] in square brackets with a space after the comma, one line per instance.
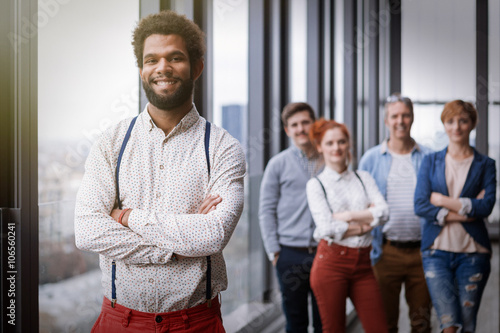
[284, 215]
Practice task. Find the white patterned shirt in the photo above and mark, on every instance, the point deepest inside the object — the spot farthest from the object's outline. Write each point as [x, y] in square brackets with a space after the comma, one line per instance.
[344, 192]
[163, 179]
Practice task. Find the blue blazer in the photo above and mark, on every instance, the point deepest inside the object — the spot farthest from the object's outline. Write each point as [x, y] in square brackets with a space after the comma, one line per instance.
[431, 178]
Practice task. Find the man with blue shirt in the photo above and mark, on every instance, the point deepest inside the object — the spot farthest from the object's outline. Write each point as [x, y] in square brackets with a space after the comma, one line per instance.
[395, 252]
[286, 223]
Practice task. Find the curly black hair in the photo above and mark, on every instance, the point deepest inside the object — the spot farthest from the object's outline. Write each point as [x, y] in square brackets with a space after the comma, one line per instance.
[166, 23]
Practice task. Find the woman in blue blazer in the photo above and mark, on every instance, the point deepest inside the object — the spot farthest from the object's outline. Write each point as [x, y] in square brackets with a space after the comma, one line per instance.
[455, 192]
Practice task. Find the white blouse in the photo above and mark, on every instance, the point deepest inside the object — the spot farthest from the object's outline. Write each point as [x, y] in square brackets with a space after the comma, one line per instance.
[344, 192]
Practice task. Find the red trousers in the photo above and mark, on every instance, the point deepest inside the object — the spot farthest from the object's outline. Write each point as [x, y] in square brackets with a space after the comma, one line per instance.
[339, 272]
[119, 319]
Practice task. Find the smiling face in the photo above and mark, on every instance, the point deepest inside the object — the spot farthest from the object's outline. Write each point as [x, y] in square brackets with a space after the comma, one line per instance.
[398, 120]
[458, 128]
[297, 128]
[335, 149]
[167, 76]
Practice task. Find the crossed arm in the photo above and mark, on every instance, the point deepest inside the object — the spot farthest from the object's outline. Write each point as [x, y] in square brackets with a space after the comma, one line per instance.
[208, 205]
[435, 207]
[453, 206]
[359, 221]
[153, 236]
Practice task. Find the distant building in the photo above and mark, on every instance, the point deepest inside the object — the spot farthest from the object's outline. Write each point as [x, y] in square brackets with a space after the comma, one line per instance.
[233, 120]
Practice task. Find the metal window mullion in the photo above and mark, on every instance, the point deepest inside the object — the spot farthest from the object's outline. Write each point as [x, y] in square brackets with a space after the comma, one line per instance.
[350, 70]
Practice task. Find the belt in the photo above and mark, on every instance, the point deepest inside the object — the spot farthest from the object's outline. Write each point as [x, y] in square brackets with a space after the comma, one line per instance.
[308, 249]
[403, 245]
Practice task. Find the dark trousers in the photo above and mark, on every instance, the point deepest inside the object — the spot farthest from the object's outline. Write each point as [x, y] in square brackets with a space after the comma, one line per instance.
[293, 270]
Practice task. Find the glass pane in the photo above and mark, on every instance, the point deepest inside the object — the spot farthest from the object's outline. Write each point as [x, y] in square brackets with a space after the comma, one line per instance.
[427, 127]
[87, 80]
[298, 54]
[494, 96]
[339, 60]
[438, 50]
[494, 152]
[230, 101]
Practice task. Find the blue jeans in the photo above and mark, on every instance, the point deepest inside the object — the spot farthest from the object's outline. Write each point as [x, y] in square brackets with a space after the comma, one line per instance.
[456, 283]
[293, 269]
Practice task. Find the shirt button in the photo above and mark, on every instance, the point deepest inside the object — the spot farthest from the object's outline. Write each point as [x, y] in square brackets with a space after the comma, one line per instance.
[161, 167]
[158, 194]
[151, 280]
[158, 319]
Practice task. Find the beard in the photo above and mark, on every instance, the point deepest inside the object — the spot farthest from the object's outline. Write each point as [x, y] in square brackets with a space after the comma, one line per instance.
[179, 97]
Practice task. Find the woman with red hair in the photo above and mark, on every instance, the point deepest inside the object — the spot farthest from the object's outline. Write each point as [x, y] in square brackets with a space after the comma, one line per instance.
[345, 206]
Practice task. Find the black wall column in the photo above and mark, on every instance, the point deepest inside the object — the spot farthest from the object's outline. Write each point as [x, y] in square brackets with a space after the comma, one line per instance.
[395, 46]
[203, 91]
[373, 28]
[482, 94]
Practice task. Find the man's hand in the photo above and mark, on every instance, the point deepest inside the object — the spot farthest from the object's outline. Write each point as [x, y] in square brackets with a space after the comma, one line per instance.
[115, 214]
[276, 256]
[209, 204]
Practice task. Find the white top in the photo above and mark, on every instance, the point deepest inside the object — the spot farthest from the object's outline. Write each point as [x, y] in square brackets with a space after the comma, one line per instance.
[453, 237]
[163, 179]
[403, 224]
[344, 193]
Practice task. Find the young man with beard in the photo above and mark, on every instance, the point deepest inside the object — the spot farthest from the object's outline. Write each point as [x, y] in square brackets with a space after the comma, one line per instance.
[161, 232]
[395, 252]
[286, 223]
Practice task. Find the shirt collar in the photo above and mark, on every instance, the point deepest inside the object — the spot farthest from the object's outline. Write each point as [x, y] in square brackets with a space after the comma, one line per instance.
[186, 122]
[384, 149]
[300, 153]
[330, 173]
[297, 151]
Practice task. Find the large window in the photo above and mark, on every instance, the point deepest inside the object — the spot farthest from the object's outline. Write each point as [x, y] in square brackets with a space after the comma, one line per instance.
[230, 103]
[494, 94]
[438, 46]
[298, 51]
[87, 81]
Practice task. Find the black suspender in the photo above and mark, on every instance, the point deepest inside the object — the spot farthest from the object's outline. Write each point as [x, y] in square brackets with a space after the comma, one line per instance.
[113, 263]
[208, 294]
[117, 177]
[326, 197]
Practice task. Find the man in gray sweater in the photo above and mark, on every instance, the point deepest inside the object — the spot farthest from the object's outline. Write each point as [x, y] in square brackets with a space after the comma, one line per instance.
[285, 221]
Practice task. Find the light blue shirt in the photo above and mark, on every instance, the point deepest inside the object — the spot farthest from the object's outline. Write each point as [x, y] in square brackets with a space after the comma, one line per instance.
[377, 161]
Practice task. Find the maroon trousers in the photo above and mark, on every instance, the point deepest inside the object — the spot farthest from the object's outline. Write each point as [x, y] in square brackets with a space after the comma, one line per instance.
[200, 318]
[339, 272]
